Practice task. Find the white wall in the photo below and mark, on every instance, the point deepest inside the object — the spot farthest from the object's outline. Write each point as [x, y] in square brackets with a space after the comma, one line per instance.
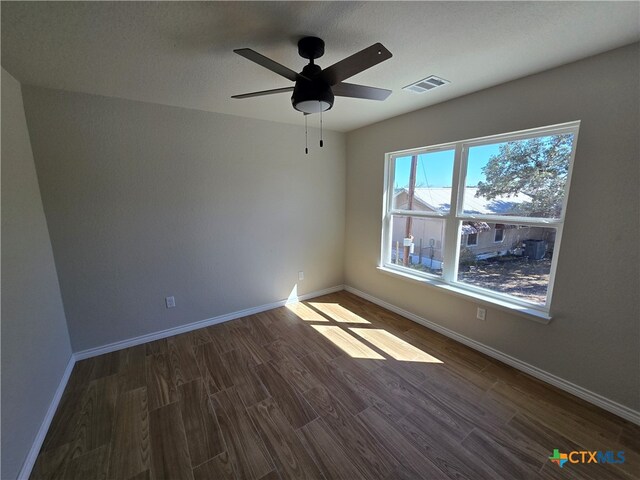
[594, 338]
[145, 201]
[35, 342]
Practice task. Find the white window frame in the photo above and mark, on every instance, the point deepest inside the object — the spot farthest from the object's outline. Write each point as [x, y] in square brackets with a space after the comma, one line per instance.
[455, 217]
[495, 233]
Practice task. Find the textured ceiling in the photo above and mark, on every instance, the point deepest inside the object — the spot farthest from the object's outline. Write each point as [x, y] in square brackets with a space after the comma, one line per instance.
[180, 53]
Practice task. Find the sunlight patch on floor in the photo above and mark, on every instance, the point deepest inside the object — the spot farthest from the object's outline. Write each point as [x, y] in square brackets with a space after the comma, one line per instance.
[347, 343]
[305, 313]
[394, 346]
[338, 313]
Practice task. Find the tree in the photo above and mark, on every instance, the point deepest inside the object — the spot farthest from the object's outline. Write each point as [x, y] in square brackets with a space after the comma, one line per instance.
[537, 167]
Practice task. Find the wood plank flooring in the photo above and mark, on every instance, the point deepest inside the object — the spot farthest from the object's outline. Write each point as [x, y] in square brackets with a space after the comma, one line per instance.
[332, 388]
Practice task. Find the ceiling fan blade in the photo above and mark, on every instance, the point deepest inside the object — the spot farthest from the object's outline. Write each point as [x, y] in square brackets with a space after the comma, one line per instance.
[356, 63]
[360, 91]
[264, 92]
[268, 63]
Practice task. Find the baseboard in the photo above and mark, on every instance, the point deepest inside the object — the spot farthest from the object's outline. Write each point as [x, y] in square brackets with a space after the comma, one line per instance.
[30, 461]
[587, 395]
[130, 342]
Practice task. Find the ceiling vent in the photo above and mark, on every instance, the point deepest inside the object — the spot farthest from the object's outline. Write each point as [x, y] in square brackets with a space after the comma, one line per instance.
[426, 84]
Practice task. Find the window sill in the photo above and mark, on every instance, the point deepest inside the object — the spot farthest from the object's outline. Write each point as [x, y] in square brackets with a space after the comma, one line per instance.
[525, 312]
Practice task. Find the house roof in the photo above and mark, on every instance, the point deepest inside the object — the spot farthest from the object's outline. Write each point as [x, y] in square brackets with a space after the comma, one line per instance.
[474, 227]
[439, 199]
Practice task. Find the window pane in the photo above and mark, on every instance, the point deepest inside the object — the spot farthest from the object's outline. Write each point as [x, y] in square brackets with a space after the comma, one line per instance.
[433, 179]
[520, 177]
[518, 266]
[420, 241]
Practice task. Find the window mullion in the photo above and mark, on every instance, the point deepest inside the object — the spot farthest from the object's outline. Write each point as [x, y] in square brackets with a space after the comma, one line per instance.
[452, 226]
[417, 213]
[533, 221]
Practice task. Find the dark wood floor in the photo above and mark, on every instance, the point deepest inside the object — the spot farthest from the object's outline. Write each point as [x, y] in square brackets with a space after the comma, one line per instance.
[331, 388]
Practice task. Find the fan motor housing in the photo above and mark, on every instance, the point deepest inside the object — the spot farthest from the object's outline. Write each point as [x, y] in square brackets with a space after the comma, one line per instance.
[312, 96]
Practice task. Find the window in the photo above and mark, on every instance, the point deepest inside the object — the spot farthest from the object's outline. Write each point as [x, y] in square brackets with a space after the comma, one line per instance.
[472, 240]
[483, 215]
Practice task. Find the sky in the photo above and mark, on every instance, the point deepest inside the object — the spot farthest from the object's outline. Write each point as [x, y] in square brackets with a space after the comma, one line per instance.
[436, 169]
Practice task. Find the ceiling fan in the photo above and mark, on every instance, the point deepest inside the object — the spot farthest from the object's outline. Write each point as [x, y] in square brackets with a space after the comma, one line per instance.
[315, 88]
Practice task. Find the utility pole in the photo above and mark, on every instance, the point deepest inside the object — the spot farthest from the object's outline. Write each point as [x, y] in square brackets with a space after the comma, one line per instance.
[412, 188]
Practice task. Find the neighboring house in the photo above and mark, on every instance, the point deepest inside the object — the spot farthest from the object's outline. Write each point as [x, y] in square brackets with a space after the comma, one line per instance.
[483, 239]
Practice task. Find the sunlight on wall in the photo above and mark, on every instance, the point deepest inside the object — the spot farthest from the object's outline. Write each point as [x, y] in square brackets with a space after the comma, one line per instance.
[394, 346]
[338, 312]
[349, 344]
[293, 296]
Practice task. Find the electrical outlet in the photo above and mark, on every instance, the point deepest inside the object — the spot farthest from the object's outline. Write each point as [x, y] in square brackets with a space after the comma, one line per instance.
[481, 314]
[300, 275]
[170, 302]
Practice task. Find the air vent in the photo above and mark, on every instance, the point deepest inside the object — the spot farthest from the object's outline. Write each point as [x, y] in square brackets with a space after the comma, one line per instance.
[426, 84]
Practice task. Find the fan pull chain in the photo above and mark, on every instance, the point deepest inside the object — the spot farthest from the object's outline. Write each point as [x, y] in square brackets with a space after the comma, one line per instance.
[321, 142]
[306, 137]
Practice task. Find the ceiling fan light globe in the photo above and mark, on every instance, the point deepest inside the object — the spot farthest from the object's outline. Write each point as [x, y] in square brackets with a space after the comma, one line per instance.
[312, 106]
